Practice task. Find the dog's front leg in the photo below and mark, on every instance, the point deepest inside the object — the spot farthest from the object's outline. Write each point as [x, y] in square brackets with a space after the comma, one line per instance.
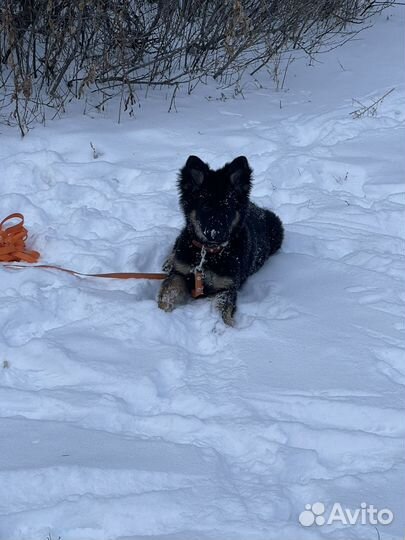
[173, 292]
[226, 303]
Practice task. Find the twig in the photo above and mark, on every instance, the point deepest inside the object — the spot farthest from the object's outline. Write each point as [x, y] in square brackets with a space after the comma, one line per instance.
[371, 110]
[96, 154]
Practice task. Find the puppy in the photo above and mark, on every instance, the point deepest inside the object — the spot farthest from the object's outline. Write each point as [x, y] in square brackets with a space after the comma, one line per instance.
[226, 237]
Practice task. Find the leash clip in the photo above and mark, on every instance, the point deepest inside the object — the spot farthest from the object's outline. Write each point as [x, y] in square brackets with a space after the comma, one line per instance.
[202, 260]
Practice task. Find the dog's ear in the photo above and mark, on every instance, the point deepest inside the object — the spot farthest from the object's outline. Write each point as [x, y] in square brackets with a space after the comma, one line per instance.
[240, 173]
[196, 169]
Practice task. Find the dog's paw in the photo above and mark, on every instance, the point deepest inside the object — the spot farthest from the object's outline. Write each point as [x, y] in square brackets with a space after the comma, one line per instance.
[167, 296]
[173, 292]
[226, 305]
[227, 316]
[166, 306]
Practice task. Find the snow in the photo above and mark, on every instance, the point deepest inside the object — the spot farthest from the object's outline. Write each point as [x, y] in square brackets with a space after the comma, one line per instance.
[120, 421]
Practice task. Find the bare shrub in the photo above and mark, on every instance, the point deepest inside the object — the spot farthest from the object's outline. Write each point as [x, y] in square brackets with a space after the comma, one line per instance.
[53, 51]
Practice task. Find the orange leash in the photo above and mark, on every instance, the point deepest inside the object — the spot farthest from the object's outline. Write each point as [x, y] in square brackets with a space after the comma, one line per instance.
[12, 242]
[13, 249]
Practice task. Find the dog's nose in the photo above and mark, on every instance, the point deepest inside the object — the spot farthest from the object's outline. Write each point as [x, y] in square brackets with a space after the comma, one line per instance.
[214, 236]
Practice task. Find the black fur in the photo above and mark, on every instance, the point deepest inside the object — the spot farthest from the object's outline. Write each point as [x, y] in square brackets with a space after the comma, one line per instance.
[219, 215]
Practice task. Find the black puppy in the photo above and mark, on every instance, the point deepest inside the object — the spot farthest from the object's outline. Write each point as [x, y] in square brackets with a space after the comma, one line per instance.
[226, 236]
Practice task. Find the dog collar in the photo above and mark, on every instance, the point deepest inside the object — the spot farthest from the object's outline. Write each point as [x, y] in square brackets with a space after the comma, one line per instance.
[208, 249]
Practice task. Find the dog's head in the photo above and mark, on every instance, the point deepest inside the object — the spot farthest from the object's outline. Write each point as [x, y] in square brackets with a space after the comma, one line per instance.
[214, 202]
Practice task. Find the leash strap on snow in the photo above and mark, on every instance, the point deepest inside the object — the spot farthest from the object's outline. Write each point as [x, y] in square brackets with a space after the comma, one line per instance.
[13, 249]
[111, 275]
